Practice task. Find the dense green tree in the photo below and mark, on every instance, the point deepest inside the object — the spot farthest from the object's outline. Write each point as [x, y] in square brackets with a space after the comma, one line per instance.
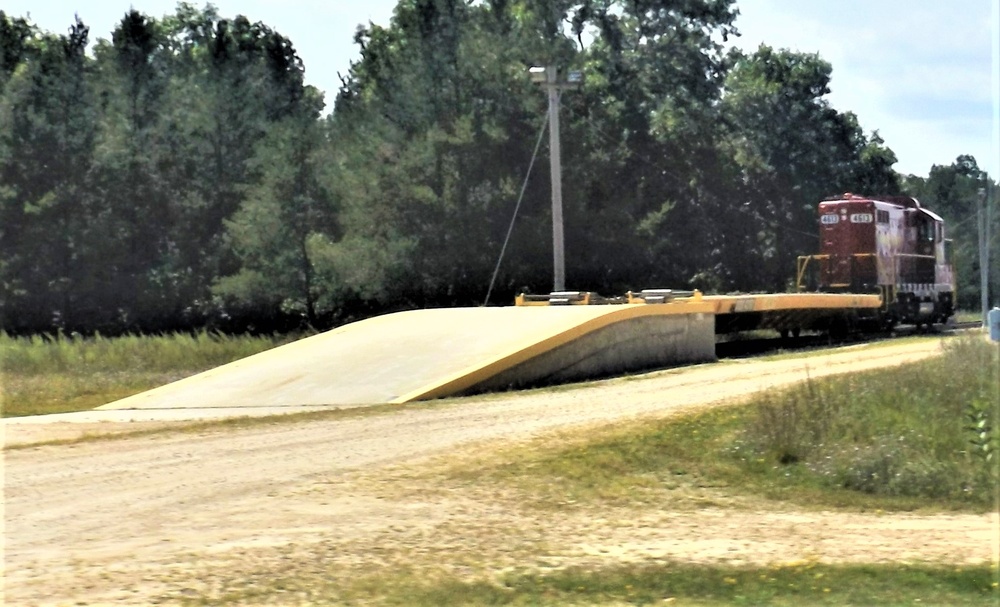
[440, 98]
[792, 149]
[15, 43]
[183, 173]
[246, 79]
[953, 191]
[130, 75]
[467, 118]
[120, 170]
[47, 145]
[273, 232]
[874, 173]
[647, 119]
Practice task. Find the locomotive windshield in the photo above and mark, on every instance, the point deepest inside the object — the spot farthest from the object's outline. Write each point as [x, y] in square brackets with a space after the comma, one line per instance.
[925, 231]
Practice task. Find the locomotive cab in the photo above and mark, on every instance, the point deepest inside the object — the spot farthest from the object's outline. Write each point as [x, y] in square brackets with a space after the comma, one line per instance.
[848, 245]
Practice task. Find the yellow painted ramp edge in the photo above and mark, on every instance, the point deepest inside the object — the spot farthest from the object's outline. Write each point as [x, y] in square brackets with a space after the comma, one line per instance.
[477, 373]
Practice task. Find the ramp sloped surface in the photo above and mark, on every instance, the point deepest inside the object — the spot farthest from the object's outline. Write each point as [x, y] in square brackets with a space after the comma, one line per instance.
[394, 358]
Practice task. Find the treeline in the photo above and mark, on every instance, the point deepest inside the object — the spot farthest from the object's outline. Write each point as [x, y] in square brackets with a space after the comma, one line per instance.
[183, 175]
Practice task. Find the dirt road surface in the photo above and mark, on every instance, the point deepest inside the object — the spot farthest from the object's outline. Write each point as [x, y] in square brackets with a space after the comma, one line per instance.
[173, 516]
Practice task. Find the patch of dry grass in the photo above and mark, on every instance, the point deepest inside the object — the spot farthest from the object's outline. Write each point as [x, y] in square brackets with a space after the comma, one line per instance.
[59, 374]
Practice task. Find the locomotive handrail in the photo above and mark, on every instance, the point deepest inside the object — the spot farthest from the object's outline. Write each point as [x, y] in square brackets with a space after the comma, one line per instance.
[803, 265]
[888, 293]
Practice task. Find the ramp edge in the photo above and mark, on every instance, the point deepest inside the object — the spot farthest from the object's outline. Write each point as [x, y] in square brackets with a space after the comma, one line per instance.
[478, 373]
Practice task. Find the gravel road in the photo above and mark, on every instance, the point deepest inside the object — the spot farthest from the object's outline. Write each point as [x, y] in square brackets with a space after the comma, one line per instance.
[127, 521]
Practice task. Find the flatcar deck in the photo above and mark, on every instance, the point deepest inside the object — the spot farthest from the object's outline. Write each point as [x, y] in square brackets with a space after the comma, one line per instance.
[742, 312]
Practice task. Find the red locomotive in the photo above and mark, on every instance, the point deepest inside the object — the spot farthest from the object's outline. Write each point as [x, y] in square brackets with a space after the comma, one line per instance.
[888, 245]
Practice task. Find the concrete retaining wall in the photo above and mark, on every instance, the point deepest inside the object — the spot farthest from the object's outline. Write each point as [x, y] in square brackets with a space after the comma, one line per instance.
[631, 345]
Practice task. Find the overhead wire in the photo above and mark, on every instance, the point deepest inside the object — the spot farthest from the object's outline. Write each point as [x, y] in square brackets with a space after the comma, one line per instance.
[517, 207]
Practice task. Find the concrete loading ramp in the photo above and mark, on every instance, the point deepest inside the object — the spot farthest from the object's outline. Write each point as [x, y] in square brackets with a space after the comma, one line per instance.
[425, 354]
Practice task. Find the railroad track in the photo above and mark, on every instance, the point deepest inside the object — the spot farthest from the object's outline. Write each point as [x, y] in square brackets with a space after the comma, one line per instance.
[757, 346]
[972, 324]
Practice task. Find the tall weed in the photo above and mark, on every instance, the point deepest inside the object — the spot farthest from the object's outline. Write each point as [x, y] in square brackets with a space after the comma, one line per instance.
[898, 432]
[790, 426]
[41, 354]
[60, 373]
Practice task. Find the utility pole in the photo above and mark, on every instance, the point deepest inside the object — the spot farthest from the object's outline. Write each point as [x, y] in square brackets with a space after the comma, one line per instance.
[555, 166]
[990, 205]
[548, 77]
[984, 274]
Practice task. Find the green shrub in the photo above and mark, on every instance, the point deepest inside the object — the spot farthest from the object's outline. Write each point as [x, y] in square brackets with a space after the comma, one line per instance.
[920, 430]
[924, 477]
[790, 425]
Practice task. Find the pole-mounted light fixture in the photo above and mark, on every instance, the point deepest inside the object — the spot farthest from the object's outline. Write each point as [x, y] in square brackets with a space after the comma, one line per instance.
[550, 78]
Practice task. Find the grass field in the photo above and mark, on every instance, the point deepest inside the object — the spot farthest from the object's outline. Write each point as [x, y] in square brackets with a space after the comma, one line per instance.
[968, 316]
[56, 374]
[788, 585]
[902, 439]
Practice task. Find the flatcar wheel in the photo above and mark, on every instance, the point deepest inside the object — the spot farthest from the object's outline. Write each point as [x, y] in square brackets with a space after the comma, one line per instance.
[838, 331]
